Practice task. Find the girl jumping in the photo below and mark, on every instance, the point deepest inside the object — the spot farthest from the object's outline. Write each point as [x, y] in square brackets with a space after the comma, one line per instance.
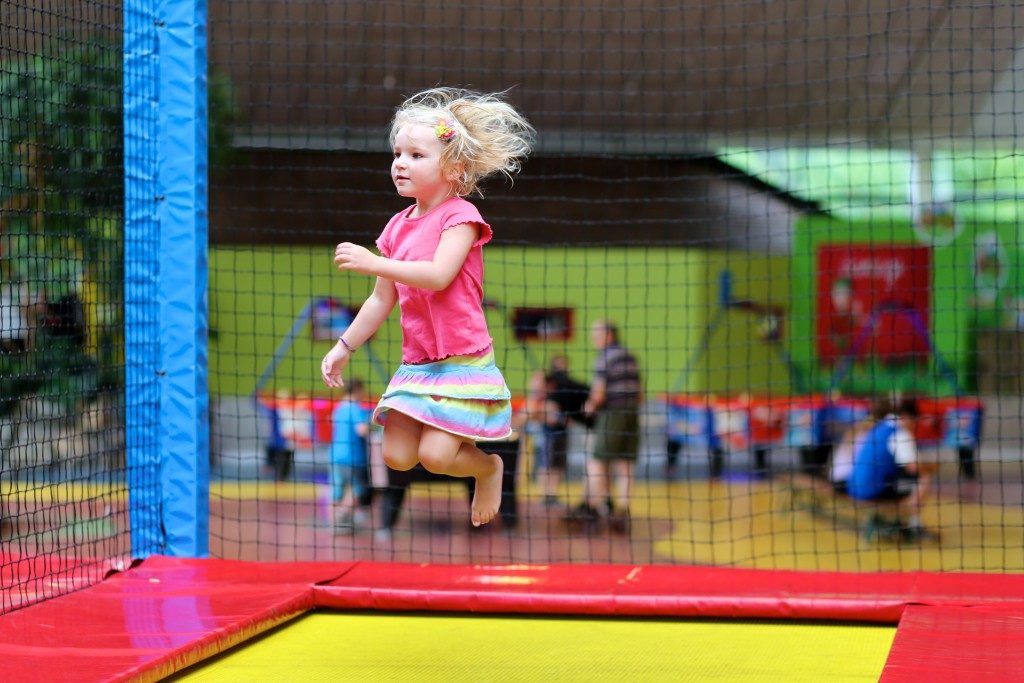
[447, 394]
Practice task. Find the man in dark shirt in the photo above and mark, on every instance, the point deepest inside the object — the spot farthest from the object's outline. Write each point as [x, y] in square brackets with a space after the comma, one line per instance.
[569, 394]
[615, 397]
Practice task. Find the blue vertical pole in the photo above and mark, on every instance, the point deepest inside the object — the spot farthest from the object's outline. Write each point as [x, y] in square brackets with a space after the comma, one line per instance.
[182, 294]
[141, 274]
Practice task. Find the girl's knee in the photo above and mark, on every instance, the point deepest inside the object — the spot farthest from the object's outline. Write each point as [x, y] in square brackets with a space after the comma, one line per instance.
[397, 460]
[438, 463]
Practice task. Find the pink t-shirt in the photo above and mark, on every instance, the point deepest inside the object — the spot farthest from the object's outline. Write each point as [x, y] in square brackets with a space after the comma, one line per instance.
[437, 325]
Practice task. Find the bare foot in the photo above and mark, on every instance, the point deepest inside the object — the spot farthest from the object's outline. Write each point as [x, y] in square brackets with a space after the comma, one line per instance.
[487, 494]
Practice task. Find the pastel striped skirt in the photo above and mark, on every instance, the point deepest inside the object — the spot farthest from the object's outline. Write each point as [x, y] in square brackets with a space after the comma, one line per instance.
[463, 395]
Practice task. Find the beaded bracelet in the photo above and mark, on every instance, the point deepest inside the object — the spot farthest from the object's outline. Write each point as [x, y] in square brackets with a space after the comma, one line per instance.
[348, 346]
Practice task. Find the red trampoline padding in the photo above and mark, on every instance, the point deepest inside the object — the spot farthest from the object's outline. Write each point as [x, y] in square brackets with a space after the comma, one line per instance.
[158, 618]
[658, 591]
[943, 643]
[155, 619]
[30, 579]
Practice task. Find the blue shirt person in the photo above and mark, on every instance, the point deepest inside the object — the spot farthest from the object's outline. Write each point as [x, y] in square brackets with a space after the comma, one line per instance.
[886, 467]
[349, 450]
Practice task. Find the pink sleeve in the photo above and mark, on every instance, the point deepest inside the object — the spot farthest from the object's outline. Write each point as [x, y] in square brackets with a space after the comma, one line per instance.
[384, 241]
[382, 244]
[468, 214]
[485, 231]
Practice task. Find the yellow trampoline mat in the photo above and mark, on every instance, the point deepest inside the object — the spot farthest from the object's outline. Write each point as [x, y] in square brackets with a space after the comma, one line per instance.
[338, 646]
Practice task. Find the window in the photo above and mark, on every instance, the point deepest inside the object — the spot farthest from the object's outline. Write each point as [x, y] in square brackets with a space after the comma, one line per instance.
[542, 324]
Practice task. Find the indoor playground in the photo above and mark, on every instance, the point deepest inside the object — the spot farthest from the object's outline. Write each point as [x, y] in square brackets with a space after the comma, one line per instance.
[800, 218]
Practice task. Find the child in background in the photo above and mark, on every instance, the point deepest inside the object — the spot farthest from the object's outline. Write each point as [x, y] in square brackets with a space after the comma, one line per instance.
[886, 466]
[349, 464]
[533, 419]
[852, 441]
[447, 394]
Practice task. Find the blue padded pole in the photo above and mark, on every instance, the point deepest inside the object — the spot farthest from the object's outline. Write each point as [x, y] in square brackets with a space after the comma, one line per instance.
[182, 292]
[141, 273]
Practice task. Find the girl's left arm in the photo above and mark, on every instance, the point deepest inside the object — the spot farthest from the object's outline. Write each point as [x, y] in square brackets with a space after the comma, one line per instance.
[434, 275]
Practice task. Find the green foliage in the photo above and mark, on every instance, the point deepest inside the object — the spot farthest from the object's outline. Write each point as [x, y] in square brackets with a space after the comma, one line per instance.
[62, 118]
[61, 161]
[61, 206]
[223, 115]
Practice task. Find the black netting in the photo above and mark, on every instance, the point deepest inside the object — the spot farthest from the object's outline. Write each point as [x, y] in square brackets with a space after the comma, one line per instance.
[63, 504]
[792, 211]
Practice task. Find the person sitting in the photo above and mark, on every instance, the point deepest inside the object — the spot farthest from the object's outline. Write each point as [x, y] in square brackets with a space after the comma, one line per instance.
[886, 467]
[840, 465]
[564, 400]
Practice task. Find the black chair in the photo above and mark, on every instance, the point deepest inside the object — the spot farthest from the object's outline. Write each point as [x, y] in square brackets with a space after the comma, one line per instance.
[398, 482]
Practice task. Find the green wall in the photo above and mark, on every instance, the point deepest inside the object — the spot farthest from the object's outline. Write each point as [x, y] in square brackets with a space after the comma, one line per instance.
[662, 298]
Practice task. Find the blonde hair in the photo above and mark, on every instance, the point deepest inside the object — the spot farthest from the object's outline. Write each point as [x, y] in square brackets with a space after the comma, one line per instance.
[490, 136]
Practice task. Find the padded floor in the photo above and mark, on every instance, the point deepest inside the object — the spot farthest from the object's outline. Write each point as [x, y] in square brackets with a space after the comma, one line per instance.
[332, 646]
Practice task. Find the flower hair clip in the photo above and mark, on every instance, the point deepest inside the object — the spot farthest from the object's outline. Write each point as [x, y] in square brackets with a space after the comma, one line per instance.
[445, 130]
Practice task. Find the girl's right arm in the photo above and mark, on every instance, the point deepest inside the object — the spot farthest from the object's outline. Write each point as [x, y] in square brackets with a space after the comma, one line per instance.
[371, 316]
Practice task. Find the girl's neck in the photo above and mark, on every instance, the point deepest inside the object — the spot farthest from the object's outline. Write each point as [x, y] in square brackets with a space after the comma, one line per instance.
[426, 205]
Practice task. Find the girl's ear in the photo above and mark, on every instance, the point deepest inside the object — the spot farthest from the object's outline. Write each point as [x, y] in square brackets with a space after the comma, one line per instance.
[455, 171]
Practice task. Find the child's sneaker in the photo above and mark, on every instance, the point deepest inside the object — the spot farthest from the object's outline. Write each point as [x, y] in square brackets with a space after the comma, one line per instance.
[619, 522]
[918, 534]
[343, 522]
[878, 528]
[583, 516]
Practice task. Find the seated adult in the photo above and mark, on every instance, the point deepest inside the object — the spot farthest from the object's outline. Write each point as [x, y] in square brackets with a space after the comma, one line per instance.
[886, 467]
[829, 476]
[852, 441]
